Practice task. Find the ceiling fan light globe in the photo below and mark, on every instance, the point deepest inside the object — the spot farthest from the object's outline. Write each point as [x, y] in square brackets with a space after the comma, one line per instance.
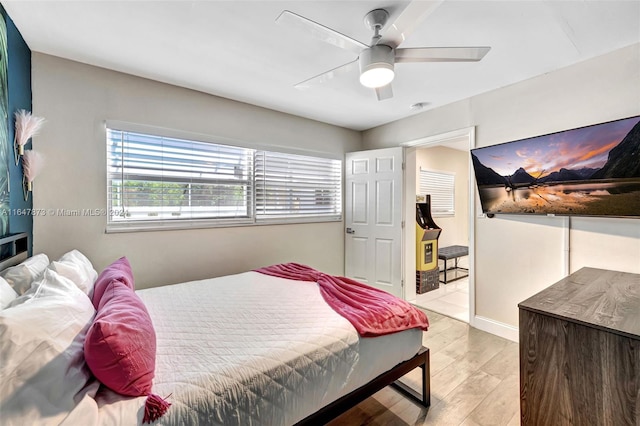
[377, 76]
[376, 66]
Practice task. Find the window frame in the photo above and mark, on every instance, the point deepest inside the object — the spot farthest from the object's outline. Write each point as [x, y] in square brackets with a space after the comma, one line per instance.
[117, 226]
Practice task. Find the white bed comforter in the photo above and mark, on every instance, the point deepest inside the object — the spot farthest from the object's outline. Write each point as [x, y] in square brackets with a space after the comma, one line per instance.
[251, 349]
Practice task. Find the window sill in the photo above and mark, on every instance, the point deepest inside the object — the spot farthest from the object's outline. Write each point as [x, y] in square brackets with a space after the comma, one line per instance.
[115, 228]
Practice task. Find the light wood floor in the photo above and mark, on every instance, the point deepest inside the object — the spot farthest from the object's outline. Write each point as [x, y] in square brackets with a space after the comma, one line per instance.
[474, 381]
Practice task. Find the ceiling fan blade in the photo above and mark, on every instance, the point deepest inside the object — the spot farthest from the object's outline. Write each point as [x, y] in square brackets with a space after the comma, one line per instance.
[441, 54]
[384, 92]
[320, 32]
[328, 75]
[416, 12]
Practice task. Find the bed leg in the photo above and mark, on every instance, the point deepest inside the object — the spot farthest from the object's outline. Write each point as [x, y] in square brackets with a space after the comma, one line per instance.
[423, 399]
[426, 381]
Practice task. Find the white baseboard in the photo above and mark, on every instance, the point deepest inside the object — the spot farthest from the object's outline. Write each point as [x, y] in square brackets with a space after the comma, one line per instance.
[495, 327]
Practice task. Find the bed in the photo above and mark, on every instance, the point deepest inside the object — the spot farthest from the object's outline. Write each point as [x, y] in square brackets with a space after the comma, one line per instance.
[244, 349]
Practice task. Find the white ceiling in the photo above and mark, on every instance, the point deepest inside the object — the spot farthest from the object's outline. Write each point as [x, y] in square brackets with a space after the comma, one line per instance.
[234, 49]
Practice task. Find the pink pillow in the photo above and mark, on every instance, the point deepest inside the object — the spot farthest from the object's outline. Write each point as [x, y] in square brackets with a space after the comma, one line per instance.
[119, 270]
[120, 347]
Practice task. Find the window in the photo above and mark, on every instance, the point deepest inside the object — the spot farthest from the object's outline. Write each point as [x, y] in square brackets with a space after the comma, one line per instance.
[440, 185]
[161, 182]
[295, 186]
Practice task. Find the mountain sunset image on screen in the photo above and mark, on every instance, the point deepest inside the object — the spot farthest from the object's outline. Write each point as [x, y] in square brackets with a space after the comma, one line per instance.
[591, 171]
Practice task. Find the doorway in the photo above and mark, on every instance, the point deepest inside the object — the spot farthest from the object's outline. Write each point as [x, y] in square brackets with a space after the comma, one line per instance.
[445, 153]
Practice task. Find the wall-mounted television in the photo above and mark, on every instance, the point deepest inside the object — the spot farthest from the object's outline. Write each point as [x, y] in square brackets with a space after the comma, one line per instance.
[588, 171]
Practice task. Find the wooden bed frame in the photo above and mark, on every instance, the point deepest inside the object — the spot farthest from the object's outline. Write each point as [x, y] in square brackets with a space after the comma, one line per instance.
[341, 405]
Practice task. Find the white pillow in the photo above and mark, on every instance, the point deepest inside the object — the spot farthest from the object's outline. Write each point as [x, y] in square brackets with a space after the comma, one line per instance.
[75, 266]
[21, 276]
[7, 294]
[41, 348]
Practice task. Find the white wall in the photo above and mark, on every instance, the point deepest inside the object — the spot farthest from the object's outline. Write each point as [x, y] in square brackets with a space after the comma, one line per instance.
[76, 99]
[519, 256]
[455, 229]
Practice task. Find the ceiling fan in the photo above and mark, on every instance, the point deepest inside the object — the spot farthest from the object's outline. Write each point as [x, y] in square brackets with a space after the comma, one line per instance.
[377, 60]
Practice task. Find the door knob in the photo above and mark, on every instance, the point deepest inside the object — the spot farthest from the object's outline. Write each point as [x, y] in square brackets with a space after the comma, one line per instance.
[350, 231]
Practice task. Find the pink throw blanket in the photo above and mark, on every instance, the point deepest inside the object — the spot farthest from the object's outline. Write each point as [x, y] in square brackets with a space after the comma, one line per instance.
[371, 311]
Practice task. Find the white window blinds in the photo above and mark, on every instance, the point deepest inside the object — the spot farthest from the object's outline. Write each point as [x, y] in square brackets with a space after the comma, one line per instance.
[441, 187]
[296, 186]
[160, 182]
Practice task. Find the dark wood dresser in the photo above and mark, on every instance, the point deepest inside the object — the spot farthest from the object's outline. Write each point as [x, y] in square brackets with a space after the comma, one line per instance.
[580, 351]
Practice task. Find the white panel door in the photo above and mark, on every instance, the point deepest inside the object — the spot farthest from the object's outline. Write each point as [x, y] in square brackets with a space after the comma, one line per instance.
[373, 218]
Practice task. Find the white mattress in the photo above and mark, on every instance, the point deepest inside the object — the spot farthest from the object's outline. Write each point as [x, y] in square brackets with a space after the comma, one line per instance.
[253, 349]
